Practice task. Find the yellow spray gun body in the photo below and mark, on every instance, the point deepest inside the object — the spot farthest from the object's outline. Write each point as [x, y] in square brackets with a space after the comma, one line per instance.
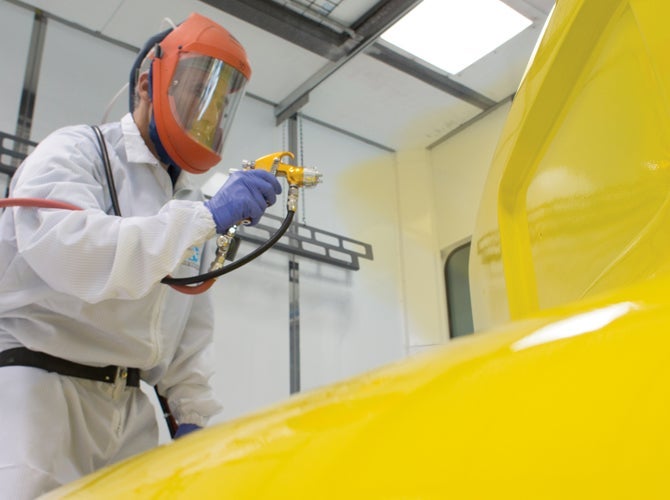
[295, 175]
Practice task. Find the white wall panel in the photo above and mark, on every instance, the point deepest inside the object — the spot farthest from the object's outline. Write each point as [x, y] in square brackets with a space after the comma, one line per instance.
[424, 303]
[251, 347]
[83, 12]
[351, 321]
[460, 167]
[80, 75]
[15, 29]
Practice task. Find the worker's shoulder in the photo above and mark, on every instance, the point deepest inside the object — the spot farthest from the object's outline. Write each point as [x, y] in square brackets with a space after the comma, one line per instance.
[70, 134]
[80, 138]
[70, 143]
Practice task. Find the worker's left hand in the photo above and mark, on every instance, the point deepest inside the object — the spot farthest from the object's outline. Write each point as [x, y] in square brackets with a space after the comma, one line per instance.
[184, 429]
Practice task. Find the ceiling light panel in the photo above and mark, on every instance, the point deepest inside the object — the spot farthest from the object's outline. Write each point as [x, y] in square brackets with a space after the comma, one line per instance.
[453, 34]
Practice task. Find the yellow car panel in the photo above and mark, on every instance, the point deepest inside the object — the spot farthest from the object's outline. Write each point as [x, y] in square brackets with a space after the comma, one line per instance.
[577, 198]
[570, 404]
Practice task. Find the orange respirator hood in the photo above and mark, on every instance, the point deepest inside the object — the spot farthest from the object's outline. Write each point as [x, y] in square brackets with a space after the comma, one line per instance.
[190, 122]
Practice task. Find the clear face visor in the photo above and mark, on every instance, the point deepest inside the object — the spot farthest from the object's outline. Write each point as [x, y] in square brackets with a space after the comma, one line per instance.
[204, 95]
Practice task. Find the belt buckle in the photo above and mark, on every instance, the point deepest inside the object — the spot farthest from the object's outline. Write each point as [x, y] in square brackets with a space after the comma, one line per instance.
[121, 373]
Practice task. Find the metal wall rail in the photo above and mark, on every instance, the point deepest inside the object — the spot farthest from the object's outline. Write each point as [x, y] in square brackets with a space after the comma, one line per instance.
[309, 242]
[13, 150]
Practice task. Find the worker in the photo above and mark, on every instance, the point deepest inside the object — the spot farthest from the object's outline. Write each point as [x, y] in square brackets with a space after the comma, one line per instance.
[83, 314]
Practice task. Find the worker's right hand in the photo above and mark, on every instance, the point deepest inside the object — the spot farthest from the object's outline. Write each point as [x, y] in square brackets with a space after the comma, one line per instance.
[245, 195]
[184, 429]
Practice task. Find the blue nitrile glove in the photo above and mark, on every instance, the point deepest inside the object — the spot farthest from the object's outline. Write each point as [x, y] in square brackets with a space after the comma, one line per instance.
[184, 429]
[245, 195]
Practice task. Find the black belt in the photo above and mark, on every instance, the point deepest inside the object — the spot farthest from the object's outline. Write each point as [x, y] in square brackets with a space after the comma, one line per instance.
[22, 356]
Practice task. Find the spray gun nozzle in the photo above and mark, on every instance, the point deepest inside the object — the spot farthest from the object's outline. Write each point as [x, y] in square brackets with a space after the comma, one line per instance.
[311, 176]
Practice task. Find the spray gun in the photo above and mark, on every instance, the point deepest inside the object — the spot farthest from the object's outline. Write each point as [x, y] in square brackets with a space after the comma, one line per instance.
[296, 176]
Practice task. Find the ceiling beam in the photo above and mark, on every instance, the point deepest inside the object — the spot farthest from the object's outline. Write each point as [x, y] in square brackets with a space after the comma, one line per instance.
[367, 29]
[382, 52]
[287, 24]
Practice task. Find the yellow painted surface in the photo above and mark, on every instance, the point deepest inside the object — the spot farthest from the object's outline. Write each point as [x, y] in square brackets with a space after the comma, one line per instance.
[569, 401]
[571, 404]
[577, 198]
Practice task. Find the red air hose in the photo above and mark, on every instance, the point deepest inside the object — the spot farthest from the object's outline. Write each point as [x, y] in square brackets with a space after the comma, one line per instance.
[41, 203]
[36, 203]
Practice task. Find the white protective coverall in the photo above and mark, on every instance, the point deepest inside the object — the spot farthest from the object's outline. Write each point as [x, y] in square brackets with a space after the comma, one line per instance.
[84, 286]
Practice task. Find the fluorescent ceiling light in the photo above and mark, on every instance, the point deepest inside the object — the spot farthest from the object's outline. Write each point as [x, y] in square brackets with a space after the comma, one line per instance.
[453, 34]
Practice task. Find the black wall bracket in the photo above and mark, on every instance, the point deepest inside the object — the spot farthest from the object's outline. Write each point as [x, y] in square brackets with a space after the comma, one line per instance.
[309, 242]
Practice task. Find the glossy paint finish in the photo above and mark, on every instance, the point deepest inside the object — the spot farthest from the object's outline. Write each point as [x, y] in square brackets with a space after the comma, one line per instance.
[570, 404]
[576, 202]
[570, 400]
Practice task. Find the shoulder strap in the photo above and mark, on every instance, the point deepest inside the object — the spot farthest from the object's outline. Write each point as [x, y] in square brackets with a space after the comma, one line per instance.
[108, 169]
[167, 413]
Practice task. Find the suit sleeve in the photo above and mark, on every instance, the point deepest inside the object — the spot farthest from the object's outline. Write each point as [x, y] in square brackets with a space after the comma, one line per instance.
[99, 256]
